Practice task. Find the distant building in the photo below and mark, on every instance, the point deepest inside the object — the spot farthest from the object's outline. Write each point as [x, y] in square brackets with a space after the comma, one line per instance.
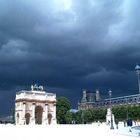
[5, 120]
[35, 106]
[93, 100]
[88, 99]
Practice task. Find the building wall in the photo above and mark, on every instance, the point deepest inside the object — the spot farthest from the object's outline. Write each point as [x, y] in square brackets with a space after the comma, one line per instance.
[123, 100]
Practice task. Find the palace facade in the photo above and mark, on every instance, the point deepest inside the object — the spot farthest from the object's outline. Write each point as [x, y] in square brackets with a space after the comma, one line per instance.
[94, 100]
[35, 106]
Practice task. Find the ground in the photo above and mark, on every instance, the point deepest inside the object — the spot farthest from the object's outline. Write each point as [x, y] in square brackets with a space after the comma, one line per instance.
[63, 132]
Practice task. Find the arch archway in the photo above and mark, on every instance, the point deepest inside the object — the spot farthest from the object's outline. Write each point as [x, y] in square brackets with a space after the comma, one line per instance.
[38, 114]
[49, 118]
[27, 118]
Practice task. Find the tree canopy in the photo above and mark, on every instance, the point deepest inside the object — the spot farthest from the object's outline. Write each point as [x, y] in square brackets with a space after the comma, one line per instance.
[121, 113]
[62, 109]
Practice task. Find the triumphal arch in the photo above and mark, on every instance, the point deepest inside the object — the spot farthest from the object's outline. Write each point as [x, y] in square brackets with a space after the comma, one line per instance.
[35, 106]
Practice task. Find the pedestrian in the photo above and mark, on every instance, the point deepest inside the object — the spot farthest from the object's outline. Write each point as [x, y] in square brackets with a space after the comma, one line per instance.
[98, 122]
[108, 122]
[124, 123]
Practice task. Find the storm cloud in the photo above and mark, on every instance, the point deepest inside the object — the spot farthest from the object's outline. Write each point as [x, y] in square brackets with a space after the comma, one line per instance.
[67, 46]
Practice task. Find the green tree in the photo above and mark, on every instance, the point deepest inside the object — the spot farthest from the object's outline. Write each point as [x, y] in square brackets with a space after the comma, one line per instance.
[126, 111]
[78, 117]
[69, 117]
[87, 115]
[13, 115]
[93, 114]
[62, 107]
[102, 114]
[120, 113]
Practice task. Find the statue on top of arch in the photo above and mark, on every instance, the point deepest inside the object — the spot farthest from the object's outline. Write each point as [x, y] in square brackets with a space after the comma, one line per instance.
[36, 87]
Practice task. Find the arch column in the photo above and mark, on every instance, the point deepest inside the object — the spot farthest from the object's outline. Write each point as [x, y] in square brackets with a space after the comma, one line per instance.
[54, 114]
[46, 114]
[17, 118]
[23, 115]
[33, 114]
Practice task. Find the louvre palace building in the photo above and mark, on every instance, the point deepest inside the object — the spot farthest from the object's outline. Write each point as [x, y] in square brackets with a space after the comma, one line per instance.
[94, 100]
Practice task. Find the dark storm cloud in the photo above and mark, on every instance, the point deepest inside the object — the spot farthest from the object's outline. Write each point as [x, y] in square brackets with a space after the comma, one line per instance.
[69, 45]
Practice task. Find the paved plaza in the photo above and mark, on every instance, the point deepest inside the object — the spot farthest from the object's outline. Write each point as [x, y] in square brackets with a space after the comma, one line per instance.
[63, 132]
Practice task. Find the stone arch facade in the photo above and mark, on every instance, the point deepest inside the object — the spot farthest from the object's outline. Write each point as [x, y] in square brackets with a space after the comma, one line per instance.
[35, 107]
[38, 114]
[27, 118]
[49, 118]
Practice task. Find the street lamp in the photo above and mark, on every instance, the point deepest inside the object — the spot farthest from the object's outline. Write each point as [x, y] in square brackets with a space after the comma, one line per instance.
[111, 125]
[137, 69]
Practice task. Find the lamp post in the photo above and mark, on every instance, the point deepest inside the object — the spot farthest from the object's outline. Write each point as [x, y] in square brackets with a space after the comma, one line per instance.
[137, 69]
[111, 125]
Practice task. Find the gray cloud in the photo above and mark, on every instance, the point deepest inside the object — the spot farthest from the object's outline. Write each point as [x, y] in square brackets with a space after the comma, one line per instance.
[69, 45]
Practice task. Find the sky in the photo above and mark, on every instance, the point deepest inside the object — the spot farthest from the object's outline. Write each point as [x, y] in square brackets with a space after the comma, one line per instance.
[68, 46]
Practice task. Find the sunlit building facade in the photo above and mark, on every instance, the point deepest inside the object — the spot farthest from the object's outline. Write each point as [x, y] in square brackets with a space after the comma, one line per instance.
[35, 106]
